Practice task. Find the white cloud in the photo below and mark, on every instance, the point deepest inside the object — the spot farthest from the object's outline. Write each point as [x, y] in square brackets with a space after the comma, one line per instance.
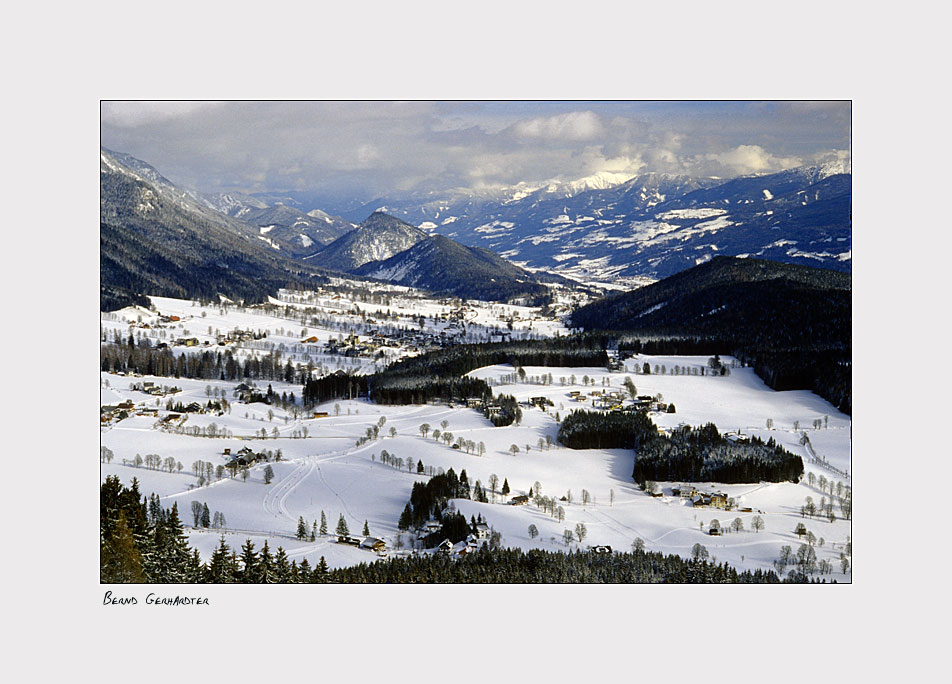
[751, 159]
[367, 149]
[573, 126]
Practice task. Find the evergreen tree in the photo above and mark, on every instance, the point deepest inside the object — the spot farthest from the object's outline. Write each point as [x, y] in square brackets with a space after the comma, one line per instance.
[206, 516]
[323, 524]
[119, 558]
[342, 529]
[304, 571]
[267, 568]
[301, 528]
[220, 567]
[313, 531]
[505, 486]
[406, 518]
[195, 572]
[282, 569]
[249, 563]
[320, 571]
[366, 530]
[171, 558]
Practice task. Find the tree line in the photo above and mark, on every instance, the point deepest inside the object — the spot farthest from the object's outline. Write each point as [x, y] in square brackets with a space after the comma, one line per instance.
[141, 542]
[139, 356]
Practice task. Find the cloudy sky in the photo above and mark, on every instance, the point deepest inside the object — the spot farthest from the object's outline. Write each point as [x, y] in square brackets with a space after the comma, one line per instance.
[363, 150]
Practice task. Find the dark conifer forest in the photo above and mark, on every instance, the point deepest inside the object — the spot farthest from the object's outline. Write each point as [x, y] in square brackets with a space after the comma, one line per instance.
[689, 454]
[703, 455]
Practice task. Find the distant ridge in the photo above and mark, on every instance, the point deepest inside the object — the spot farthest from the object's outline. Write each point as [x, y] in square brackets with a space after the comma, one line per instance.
[442, 265]
[378, 237]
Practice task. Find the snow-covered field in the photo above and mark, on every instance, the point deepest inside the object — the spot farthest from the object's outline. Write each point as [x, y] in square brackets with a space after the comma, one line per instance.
[327, 471]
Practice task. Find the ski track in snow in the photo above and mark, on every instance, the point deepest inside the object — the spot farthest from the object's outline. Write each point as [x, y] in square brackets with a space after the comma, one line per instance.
[273, 501]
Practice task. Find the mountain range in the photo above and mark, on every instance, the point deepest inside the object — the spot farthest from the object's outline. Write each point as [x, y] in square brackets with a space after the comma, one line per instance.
[653, 225]
[156, 238]
[606, 228]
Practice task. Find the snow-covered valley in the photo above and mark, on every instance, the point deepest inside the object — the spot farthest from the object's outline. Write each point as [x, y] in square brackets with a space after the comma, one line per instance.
[324, 466]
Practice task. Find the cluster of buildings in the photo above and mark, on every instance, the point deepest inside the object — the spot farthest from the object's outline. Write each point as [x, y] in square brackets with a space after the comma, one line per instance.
[368, 543]
[153, 389]
[243, 458]
[237, 335]
[110, 412]
[614, 400]
[698, 498]
[491, 409]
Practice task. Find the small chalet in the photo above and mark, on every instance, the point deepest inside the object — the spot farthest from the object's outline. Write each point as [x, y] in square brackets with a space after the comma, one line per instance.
[521, 500]
[719, 500]
[373, 544]
[474, 402]
[482, 531]
[445, 546]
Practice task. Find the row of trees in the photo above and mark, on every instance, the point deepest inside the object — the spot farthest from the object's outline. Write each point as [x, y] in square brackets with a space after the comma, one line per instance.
[141, 357]
[202, 517]
[499, 566]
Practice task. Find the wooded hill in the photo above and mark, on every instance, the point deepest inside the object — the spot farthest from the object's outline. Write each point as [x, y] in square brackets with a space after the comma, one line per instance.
[792, 323]
[443, 266]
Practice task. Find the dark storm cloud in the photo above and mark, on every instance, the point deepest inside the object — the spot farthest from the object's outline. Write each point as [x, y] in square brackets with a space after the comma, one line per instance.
[367, 149]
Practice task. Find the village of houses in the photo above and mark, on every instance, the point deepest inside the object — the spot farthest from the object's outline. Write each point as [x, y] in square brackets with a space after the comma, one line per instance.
[323, 468]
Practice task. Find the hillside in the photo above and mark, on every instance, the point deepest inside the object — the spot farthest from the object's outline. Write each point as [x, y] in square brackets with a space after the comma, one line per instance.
[156, 239]
[378, 237]
[294, 232]
[441, 265]
[750, 298]
[793, 323]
